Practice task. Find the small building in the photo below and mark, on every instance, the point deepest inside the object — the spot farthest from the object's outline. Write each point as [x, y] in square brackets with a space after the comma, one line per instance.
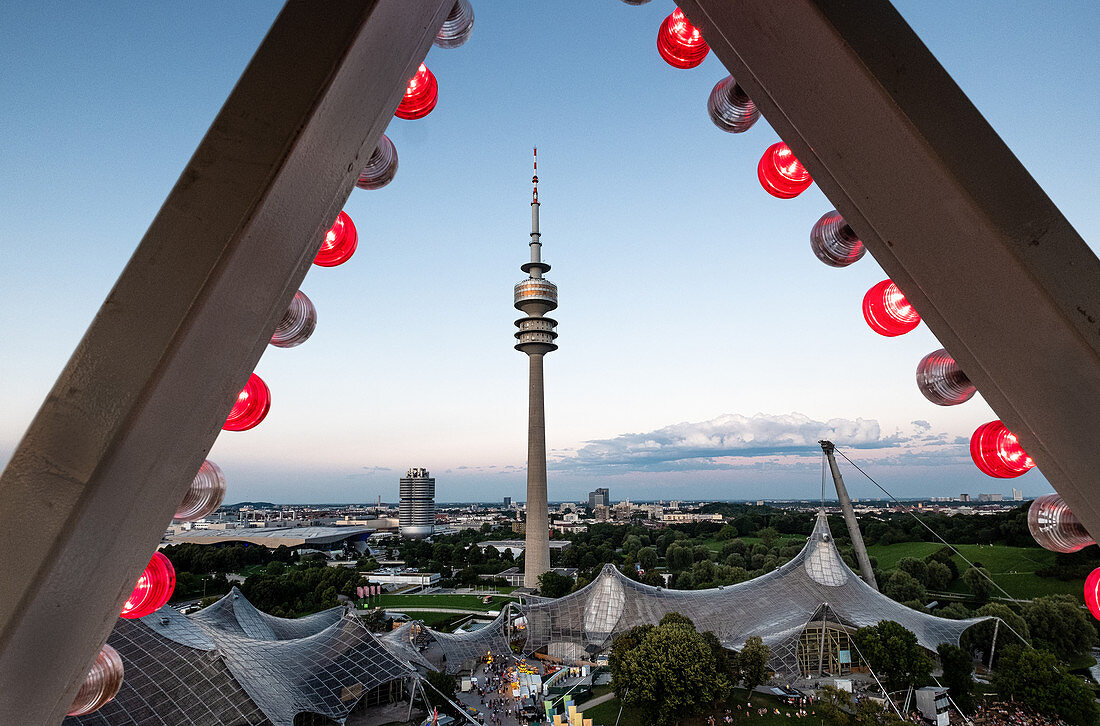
[403, 577]
[933, 704]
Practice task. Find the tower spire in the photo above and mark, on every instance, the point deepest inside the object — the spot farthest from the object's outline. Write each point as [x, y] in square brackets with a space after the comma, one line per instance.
[535, 179]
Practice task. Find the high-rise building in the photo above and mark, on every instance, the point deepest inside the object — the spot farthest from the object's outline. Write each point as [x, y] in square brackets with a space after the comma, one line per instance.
[507, 502]
[535, 297]
[1017, 495]
[600, 497]
[416, 512]
[964, 497]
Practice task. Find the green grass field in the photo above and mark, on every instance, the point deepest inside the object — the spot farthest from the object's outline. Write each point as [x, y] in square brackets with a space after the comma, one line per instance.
[396, 601]
[1013, 568]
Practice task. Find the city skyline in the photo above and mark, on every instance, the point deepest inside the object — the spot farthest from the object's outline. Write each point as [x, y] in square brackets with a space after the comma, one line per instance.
[707, 350]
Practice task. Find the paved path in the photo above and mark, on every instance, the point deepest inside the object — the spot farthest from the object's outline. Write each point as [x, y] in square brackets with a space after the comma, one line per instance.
[596, 701]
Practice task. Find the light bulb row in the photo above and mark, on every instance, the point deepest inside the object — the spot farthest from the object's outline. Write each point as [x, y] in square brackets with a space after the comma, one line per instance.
[207, 490]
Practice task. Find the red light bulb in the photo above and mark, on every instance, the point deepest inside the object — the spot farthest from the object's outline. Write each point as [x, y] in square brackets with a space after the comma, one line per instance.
[730, 108]
[781, 174]
[153, 588]
[420, 96]
[1055, 527]
[887, 311]
[680, 43]
[339, 243]
[942, 381]
[298, 323]
[834, 242]
[204, 495]
[457, 27]
[1092, 593]
[253, 403]
[100, 685]
[381, 166]
[997, 453]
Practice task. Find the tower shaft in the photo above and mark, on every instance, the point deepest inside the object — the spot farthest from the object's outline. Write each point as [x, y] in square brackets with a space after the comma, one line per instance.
[537, 550]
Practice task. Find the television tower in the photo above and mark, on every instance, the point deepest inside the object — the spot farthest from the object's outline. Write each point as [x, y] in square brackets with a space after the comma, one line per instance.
[535, 297]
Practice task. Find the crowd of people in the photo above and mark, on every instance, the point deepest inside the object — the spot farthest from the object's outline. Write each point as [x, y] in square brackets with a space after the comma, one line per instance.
[1004, 713]
[498, 706]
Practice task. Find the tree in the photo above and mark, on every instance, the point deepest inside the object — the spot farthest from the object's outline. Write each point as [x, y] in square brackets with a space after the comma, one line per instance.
[551, 584]
[979, 638]
[753, 661]
[957, 670]
[917, 568]
[622, 645]
[678, 557]
[768, 536]
[893, 654]
[939, 576]
[902, 586]
[671, 673]
[834, 705]
[977, 579]
[374, 619]
[647, 558]
[1059, 625]
[1034, 677]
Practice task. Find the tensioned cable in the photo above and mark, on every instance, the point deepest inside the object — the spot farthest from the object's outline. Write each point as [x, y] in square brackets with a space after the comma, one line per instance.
[941, 539]
[934, 533]
[868, 664]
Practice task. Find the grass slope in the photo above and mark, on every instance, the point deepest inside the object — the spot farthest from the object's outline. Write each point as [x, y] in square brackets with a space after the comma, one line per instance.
[1013, 568]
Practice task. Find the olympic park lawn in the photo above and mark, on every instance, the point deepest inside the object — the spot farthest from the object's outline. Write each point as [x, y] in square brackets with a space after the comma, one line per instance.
[1013, 568]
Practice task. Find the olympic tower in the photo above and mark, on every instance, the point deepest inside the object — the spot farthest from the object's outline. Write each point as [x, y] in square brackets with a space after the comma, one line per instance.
[535, 297]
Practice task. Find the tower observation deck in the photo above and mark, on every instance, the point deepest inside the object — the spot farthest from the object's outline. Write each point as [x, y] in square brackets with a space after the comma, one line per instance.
[535, 297]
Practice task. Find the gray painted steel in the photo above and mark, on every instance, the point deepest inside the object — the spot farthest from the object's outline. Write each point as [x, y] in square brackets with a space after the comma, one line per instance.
[993, 267]
[849, 517]
[118, 440]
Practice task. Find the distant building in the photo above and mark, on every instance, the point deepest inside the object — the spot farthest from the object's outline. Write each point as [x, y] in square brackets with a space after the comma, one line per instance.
[507, 502]
[964, 497]
[1017, 495]
[991, 497]
[515, 577]
[598, 498]
[517, 546]
[602, 513]
[416, 512]
[403, 577]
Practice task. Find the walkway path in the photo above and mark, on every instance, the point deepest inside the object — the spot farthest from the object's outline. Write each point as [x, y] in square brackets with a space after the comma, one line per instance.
[596, 701]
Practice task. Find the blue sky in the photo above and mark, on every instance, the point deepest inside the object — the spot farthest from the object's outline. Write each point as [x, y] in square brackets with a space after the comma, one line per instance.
[703, 348]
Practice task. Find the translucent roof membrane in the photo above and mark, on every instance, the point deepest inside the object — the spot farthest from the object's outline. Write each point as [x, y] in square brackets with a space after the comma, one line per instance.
[775, 606]
[232, 664]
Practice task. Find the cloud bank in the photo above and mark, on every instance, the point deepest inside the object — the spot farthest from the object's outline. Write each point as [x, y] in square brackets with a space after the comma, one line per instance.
[734, 441]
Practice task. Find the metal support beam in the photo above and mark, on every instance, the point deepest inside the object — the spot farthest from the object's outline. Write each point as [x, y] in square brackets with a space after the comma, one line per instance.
[862, 557]
[998, 274]
[117, 442]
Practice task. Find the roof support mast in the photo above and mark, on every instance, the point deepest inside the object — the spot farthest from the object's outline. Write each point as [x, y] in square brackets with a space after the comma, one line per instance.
[850, 517]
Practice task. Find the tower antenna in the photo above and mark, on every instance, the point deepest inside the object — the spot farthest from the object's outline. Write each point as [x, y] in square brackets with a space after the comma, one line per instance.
[535, 179]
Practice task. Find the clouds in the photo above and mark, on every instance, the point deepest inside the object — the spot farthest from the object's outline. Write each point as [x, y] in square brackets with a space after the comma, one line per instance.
[733, 441]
